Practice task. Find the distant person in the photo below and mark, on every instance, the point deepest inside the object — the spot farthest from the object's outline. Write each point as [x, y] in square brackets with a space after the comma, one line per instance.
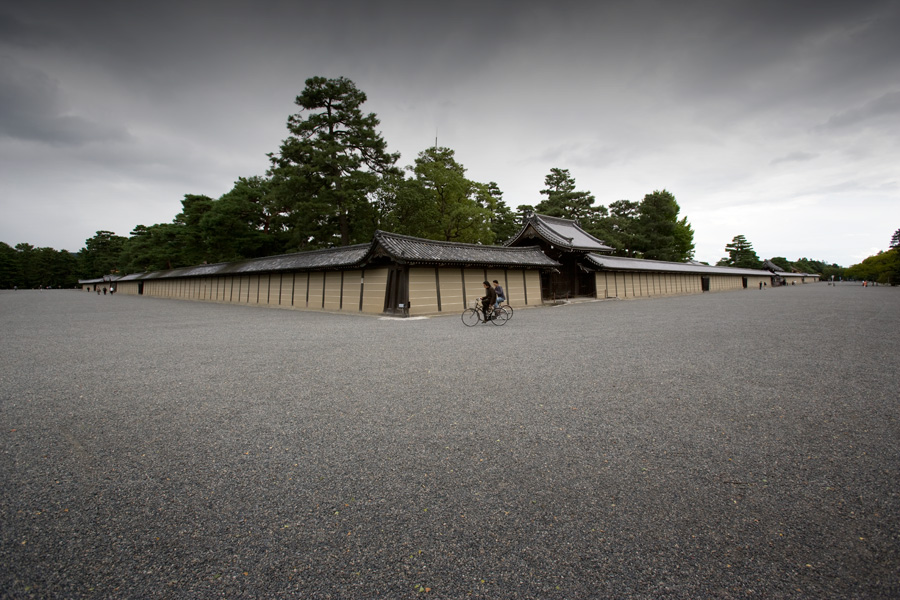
[760, 285]
[501, 295]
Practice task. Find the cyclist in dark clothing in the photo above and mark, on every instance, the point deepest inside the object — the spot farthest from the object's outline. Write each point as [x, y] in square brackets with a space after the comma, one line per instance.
[488, 300]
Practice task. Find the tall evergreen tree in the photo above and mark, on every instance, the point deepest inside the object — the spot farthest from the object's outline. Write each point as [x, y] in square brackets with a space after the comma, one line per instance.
[619, 227]
[193, 247]
[442, 202]
[102, 254]
[331, 164]
[740, 254]
[154, 248]
[10, 274]
[246, 222]
[502, 218]
[563, 200]
[660, 234]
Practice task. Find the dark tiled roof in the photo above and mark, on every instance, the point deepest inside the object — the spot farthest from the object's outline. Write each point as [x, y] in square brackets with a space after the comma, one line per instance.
[330, 258]
[104, 279]
[564, 233]
[400, 248]
[619, 263]
[410, 250]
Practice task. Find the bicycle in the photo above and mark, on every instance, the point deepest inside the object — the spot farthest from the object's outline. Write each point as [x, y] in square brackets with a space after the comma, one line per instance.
[475, 315]
[508, 309]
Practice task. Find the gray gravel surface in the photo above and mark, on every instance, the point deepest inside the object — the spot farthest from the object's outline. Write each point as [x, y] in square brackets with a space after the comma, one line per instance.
[730, 445]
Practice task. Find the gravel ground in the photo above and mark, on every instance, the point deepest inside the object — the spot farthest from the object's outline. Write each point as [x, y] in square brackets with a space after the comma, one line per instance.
[729, 445]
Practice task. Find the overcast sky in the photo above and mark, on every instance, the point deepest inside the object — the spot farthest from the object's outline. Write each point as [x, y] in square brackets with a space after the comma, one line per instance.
[777, 120]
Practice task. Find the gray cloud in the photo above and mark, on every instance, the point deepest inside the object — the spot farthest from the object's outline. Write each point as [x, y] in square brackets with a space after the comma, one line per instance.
[794, 157]
[884, 106]
[17, 32]
[32, 108]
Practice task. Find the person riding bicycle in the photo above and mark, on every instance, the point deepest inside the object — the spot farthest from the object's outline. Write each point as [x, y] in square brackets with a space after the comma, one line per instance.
[501, 295]
[488, 300]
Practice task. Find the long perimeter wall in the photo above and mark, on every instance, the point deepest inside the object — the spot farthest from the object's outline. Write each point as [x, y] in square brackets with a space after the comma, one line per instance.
[631, 284]
[432, 290]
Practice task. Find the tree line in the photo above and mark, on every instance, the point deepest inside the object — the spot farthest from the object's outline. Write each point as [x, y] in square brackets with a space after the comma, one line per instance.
[740, 253]
[332, 182]
[883, 267]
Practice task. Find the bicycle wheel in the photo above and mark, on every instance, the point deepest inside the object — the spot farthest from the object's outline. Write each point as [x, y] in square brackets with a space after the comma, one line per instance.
[501, 316]
[508, 309]
[470, 317]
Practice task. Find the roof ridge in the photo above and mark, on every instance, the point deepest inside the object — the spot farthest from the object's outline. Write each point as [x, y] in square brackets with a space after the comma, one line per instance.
[386, 234]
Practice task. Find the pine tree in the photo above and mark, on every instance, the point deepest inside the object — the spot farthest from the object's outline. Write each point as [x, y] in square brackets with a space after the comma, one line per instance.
[563, 200]
[660, 234]
[331, 165]
[740, 254]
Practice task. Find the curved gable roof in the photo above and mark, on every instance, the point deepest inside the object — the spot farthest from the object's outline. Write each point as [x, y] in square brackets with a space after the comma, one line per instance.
[565, 233]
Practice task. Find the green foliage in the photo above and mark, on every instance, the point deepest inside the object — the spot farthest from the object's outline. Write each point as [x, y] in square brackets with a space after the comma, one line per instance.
[153, 248]
[884, 268]
[618, 227]
[783, 263]
[804, 265]
[895, 240]
[102, 254]
[193, 250]
[740, 254]
[10, 270]
[247, 222]
[27, 267]
[331, 165]
[647, 229]
[504, 223]
[564, 201]
[660, 235]
[441, 203]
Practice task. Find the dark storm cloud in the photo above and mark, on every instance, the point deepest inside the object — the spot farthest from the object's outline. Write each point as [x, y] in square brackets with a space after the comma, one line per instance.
[16, 32]
[32, 108]
[746, 57]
